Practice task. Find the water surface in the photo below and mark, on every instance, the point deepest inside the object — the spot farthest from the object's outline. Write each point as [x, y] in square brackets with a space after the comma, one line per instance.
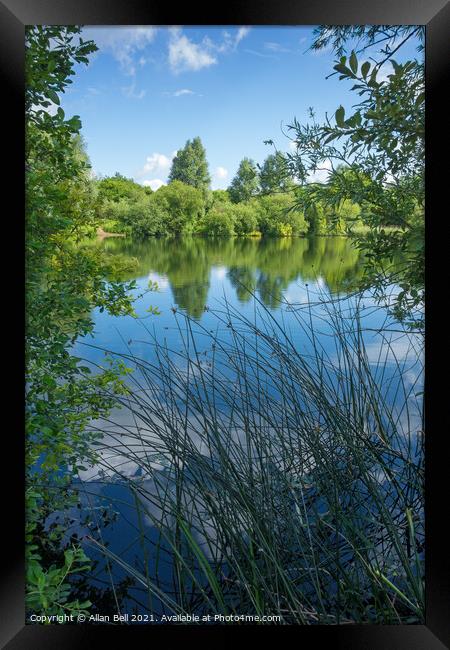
[198, 279]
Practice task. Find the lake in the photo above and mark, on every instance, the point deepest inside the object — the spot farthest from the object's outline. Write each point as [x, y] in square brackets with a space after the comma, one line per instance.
[214, 297]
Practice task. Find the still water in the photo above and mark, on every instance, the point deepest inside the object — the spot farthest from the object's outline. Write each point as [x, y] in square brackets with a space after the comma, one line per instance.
[194, 275]
[195, 280]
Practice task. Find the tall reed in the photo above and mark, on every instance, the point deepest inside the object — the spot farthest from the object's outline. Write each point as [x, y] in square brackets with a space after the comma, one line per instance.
[280, 479]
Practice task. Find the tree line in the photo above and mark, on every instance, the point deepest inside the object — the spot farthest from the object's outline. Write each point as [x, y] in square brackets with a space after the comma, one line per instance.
[262, 200]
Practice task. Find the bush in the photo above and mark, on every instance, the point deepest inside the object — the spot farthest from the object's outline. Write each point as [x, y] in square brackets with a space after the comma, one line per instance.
[182, 204]
[219, 197]
[218, 222]
[348, 215]
[276, 218]
[117, 188]
[146, 218]
[245, 219]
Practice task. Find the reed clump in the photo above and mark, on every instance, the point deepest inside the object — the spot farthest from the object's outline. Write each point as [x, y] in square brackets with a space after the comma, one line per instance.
[279, 478]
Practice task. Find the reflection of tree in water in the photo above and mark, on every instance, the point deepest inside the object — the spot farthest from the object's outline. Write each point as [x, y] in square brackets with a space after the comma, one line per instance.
[187, 268]
[191, 297]
[242, 279]
[270, 288]
[333, 259]
[267, 264]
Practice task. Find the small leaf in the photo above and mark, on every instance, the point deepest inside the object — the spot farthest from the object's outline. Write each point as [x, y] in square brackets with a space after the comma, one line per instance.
[353, 62]
[365, 68]
[339, 115]
[53, 96]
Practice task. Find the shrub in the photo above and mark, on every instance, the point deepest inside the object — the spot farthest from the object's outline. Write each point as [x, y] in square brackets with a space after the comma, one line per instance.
[316, 218]
[117, 188]
[218, 222]
[146, 218]
[277, 218]
[182, 204]
[245, 219]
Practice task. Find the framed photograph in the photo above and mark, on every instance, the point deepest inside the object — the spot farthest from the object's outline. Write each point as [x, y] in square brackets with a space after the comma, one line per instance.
[223, 243]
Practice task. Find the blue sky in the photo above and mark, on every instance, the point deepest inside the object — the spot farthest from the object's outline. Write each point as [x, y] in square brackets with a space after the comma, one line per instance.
[149, 89]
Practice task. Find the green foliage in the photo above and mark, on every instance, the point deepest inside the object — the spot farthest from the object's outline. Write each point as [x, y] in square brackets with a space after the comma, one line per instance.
[381, 143]
[64, 282]
[217, 222]
[145, 218]
[190, 166]
[278, 216]
[316, 218]
[183, 205]
[49, 589]
[245, 219]
[226, 219]
[275, 174]
[246, 182]
[219, 196]
[116, 188]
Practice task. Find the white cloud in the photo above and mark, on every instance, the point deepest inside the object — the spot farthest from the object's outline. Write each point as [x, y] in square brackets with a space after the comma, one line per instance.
[180, 93]
[230, 41]
[219, 177]
[155, 183]
[321, 174]
[275, 47]
[130, 91]
[186, 55]
[241, 33]
[260, 54]
[122, 42]
[221, 173]
[183, 91]
[157, 162]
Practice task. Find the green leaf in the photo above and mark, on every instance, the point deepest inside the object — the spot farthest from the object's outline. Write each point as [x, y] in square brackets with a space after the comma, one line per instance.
[339, 115]
[53, 96]
[343, 70]
[365, 68]
[353, 62]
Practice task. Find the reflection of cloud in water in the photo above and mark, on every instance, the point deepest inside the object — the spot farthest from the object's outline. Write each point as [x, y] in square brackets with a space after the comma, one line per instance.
[395, 348]
[130, 447]
[219, 272]
[161, 280]
[295, 294]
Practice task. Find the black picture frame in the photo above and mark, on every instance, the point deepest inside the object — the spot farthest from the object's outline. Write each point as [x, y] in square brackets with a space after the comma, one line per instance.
[435, 14]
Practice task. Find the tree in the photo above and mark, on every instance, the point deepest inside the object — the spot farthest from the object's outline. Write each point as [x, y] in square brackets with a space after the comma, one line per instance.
[117, 187]
[218, 222]
[246, 182]
[275, 174]
[64, 282]
[190, 166]
[278, 216]
[183, 205]
[382, 143]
